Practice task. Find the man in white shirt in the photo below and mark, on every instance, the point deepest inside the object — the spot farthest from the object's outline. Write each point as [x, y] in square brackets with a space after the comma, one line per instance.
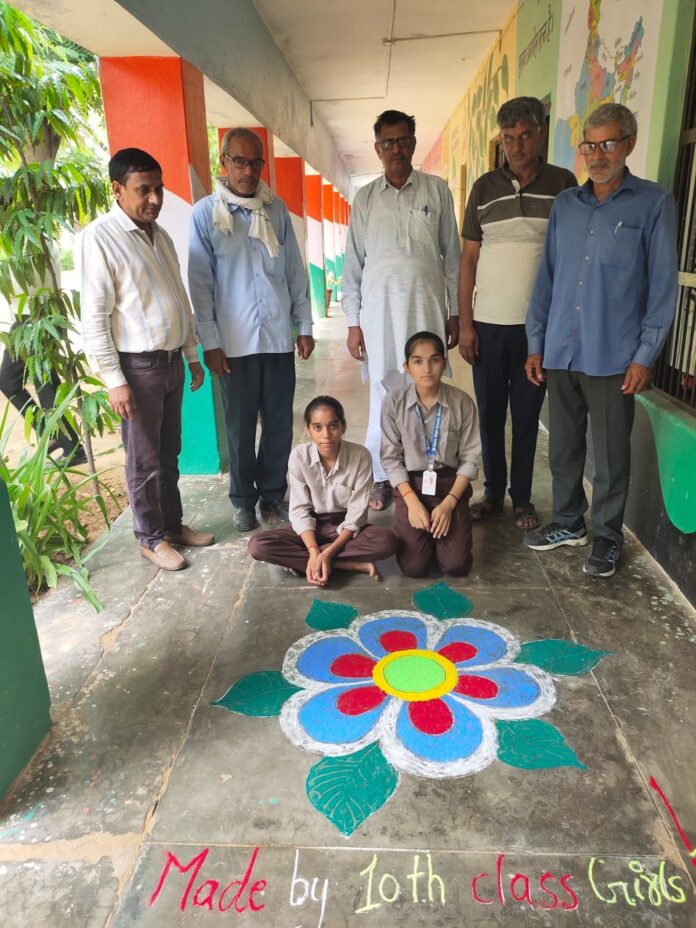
[137, 323]
[400, 272]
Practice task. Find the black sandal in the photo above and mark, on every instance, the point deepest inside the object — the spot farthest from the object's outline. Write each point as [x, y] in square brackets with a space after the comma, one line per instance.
[523, 513]
[484, 508]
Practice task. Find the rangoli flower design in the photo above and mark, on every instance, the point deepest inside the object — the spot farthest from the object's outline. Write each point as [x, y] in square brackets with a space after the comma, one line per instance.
[433, 693]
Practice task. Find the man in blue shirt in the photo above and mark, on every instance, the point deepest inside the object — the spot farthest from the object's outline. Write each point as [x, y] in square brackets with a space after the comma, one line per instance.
[599, 314]
[248, 288]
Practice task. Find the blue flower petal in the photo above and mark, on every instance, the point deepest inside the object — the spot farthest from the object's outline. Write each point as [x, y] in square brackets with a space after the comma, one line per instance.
[323, 722]
[316, 660]
[490, 645]
[371, 632]
[517, 689]
[459, 742]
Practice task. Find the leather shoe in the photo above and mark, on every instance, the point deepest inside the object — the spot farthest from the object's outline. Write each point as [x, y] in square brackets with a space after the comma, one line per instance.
[189, 536]
[275, 507]
[164, 556]
[244, 519]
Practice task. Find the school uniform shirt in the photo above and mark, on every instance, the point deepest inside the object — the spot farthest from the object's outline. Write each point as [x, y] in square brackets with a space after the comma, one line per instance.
[403, 446]
[345, 488]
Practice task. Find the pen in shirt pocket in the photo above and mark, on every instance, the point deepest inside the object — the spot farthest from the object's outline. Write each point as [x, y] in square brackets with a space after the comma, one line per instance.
[618, 226]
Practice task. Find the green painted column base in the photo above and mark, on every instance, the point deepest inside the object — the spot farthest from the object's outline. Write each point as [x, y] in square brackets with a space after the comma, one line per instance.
[203, 434]
[317, 291]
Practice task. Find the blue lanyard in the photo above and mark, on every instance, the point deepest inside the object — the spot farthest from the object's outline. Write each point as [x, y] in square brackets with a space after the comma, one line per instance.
[431, 446]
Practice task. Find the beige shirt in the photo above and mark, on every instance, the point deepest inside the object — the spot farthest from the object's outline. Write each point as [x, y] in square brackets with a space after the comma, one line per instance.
[345, 488]
[403, 440]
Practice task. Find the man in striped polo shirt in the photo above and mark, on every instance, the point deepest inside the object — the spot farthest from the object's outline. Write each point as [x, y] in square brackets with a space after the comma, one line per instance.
[137, 322]
[504, 227]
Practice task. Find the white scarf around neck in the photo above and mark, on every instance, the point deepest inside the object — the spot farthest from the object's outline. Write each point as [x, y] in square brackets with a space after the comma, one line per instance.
[261, 226]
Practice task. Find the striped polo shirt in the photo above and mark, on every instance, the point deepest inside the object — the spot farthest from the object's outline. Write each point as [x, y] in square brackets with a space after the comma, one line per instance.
[510, 223]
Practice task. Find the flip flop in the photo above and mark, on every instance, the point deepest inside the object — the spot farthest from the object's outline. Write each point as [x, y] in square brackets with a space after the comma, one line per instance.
[525, 516]
[484, 508]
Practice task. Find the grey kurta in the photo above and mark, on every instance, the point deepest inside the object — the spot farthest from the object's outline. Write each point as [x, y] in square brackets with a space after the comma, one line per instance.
[401, 266]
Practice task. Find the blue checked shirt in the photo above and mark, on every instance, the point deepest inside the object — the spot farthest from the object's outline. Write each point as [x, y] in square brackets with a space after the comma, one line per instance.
[606, 289]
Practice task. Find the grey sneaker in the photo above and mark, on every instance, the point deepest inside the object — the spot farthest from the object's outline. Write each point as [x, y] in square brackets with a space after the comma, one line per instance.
[602, 559]
[244, 519]
[554, 535]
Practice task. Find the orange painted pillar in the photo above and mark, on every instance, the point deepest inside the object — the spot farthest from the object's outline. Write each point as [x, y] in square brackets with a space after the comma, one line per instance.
[268, 174]
[158, 104]
[290, 187]
[315, 246]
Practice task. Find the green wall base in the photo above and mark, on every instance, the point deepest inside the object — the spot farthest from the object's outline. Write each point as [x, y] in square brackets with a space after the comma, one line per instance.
[203, 436]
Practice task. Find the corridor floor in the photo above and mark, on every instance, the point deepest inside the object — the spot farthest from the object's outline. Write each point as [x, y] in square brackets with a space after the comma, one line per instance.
[147, 806]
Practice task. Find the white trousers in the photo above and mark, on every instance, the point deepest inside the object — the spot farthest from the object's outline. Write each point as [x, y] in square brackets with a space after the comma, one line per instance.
[373, 436]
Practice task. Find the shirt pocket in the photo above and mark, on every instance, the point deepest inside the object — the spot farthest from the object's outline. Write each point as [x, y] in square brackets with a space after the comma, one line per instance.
[341, 493]
[621, 246]
[272, 267]
[138, 364]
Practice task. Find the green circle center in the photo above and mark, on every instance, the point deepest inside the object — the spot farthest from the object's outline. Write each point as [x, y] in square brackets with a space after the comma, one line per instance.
[414, 673]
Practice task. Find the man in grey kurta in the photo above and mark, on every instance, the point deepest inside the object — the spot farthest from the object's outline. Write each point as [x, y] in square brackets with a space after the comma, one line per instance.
[400, 272]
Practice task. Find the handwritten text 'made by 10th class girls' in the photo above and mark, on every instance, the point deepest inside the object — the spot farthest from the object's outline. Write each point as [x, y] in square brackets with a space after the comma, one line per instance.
[419, 883]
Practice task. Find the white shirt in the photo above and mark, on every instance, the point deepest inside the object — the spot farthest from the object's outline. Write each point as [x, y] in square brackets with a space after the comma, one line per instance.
[131, 293]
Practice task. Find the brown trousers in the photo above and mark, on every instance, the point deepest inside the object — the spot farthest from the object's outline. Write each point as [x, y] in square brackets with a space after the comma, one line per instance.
[284, 547]
[416, 550]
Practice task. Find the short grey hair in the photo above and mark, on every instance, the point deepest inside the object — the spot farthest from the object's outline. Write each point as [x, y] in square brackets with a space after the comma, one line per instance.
[240, 133]
[612, 112]
[521, 109]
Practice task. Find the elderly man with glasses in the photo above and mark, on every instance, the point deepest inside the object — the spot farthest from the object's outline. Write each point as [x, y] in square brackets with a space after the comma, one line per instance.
[248, 288]
[599, 314]
[400, 272]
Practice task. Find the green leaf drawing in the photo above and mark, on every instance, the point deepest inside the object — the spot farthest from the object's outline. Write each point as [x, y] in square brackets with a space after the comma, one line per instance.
[258, 694]
[558, 656]
[442, 602]
[349, 789]
[532, 745]
[324, 616]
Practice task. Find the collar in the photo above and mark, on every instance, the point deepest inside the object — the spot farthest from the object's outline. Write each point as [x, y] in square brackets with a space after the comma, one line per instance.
[508, 174]
[412, 396]
[340, 463]
[126, 223]
[585, 192]
[412, 179]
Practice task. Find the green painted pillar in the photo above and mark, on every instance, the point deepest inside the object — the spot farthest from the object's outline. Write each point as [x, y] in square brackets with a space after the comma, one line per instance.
[203, 435]
[24, 699]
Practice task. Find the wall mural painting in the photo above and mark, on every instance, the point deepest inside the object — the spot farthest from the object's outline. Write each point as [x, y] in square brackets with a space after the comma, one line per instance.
[432, 693]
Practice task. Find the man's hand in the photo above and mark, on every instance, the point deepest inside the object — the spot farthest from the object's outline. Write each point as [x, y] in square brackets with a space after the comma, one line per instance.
[356, 343]
[418, 515]
[305, 346]
[452, 331]
[441, 518]
[636, 380]
[534, 370]
[197, 375]
[122, 401]
[468, 342]
[216, 361]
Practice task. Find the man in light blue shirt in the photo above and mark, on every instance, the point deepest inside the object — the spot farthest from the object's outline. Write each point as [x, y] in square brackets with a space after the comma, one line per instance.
[599, 315]
[248, 288]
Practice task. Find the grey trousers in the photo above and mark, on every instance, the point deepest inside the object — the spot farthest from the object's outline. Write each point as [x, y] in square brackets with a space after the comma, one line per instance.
[572, 396]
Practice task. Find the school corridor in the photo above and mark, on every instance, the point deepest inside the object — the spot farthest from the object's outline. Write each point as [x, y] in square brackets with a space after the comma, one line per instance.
[148, 806]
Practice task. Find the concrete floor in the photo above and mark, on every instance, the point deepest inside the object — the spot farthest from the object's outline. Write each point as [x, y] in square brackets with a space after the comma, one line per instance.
[139, 766]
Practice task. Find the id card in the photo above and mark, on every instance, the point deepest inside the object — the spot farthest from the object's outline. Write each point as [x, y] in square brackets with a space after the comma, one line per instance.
[429, 487]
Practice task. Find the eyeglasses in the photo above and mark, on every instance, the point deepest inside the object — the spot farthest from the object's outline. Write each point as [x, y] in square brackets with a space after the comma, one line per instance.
[241, 164]
[404, 141]
[607, 146]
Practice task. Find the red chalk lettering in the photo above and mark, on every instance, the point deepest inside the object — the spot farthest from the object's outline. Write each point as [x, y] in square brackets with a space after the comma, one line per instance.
[574, 901]
[258, 887]
[414, 876]
[242, 886]
[208, 901]
[433, 878]
[527, 893]
[196, 862]
[499, 868]
[474, 889]
[549, 892]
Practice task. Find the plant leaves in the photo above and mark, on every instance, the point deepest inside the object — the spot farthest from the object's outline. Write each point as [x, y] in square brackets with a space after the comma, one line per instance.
[324, 616]
[442, 602]
[534, 745]
[348, 789]
[558, 656]
[260, 694]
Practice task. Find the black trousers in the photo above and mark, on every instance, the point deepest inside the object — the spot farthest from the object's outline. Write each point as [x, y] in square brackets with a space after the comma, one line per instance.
[499, 380]
[259, 385]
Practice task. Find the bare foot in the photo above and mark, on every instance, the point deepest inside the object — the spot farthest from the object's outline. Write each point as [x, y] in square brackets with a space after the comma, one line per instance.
[362, 567]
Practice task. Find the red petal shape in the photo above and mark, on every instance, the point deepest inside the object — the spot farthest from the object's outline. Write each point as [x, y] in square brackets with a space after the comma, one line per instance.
[359, 700]
[478, 687]
[432, 717]
[398, 641]
[353, 665]
[458, 651]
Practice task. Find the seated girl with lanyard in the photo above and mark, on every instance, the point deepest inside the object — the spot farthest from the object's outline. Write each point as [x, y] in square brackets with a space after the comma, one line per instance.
[430, 452]
[330, 483]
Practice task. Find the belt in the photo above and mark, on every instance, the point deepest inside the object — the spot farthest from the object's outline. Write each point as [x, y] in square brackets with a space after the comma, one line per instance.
[168, 356]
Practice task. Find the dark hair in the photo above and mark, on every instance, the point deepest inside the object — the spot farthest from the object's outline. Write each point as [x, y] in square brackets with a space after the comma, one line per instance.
[391, 118]
[521, 109]
[424, 337]
[324, 401]
[131, 161]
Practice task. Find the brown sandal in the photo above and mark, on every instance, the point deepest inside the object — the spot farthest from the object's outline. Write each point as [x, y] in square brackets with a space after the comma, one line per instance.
[483, 508]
